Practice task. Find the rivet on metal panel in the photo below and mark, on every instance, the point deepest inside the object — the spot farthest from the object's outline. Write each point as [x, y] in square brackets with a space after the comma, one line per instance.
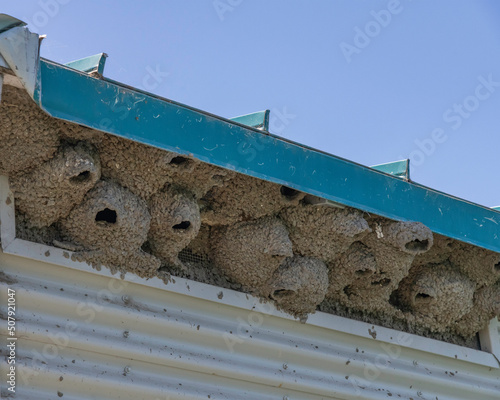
[127, 370]
[125, 298]
[125, 334]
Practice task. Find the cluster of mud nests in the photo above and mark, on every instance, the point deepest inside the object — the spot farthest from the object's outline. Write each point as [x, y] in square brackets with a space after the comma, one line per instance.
[150, 212]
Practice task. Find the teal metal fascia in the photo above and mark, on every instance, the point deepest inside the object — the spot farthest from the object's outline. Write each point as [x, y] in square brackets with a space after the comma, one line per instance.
[396, 168]
[110, 107]
[90, 64]
[259, 120]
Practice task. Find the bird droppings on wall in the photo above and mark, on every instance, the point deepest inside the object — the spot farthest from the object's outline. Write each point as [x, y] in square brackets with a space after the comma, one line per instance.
[154, 213]
[48, 193]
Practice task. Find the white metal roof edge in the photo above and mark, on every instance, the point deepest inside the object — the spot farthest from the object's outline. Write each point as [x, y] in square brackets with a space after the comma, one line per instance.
[54, 255]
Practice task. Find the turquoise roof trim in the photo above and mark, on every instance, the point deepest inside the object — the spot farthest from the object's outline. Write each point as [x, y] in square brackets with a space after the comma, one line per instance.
[123, 111]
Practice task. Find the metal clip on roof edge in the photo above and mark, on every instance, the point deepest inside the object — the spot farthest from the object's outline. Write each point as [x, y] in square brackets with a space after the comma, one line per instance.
[259, 120]
[20, 50]
[89, 64]
[401, 168]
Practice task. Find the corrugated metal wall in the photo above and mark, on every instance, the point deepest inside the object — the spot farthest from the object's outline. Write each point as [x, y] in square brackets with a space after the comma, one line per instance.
[85, 334]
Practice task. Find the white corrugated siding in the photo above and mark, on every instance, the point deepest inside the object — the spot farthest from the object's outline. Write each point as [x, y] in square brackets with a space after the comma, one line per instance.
[113, 339]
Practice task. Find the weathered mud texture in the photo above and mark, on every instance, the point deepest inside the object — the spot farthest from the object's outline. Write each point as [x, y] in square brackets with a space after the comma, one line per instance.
[241, 244]
[250, 252]
[26, 231]
[409, 237]
[28, 136]
[175, 221]
[198, 265]
[199, 178]
[299, 285]
[440, 251]
[71, 132]
[357, 262]
[200, 245]
[397, 321]
[111, 224]
[142, 169]
[381, 265]
[437, 295]
[480, 265]
[323, 232]
[50, 191]
[245, 198]
[486, 306]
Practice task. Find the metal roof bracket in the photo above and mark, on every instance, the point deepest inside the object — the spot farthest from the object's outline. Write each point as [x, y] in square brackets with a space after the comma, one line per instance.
[91, 64]
[401, 169]
[21, 51]
[259, 120]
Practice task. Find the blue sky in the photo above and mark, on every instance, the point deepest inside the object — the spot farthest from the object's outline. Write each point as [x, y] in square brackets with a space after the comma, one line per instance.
[370, 81]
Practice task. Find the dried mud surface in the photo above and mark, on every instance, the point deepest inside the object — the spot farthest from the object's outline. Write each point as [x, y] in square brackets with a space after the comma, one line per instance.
[28, 136]
[137, 209]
